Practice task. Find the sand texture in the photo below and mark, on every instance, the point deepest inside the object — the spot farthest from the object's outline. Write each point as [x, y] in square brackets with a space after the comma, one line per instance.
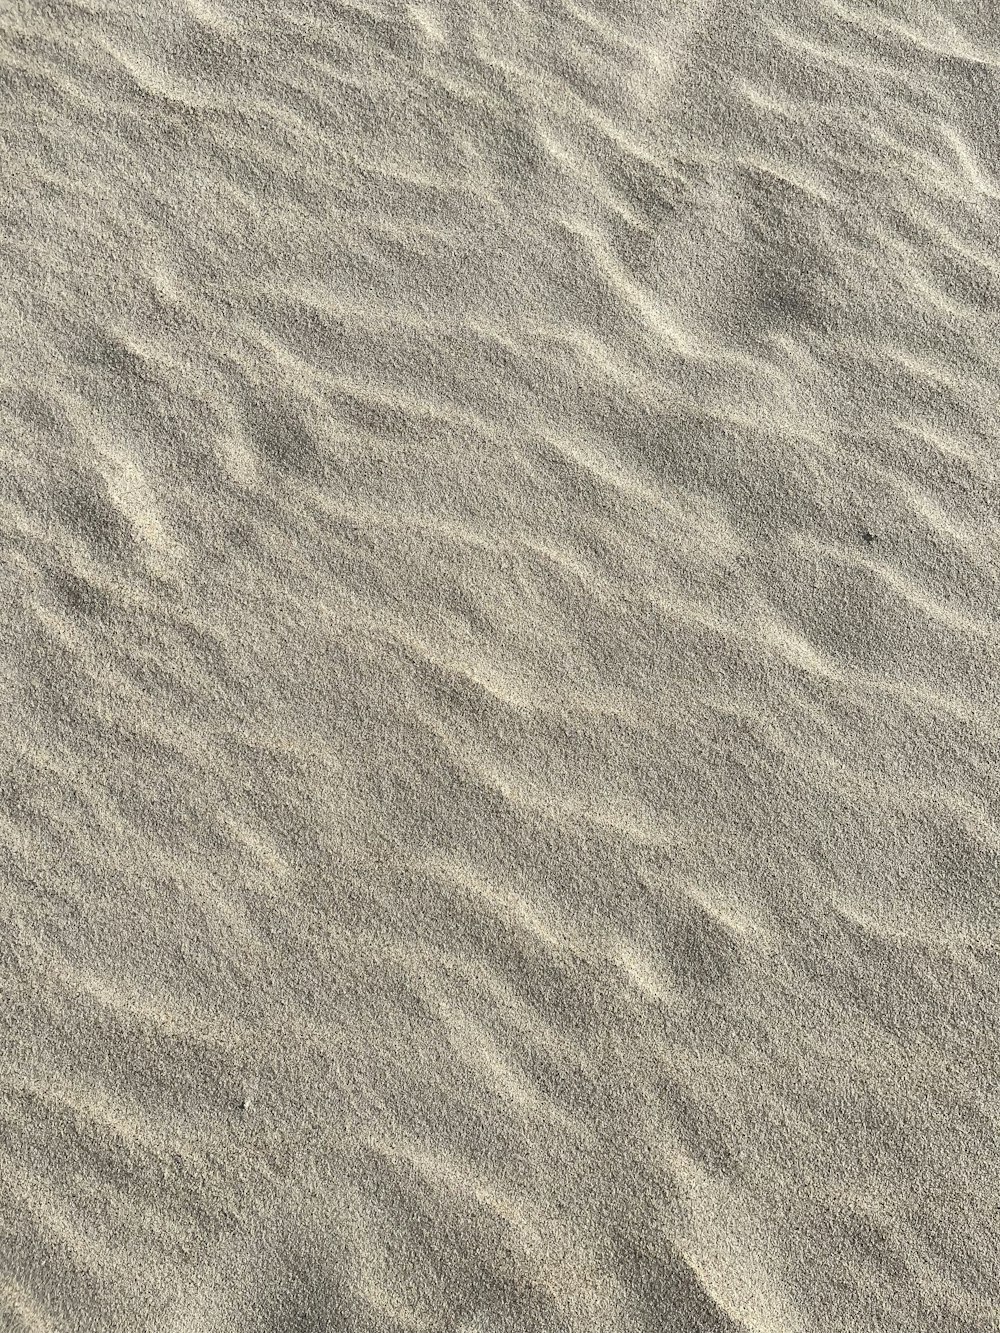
[500, 582]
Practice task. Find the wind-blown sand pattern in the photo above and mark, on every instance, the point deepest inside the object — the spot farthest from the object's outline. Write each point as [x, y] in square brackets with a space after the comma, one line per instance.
[501, 548]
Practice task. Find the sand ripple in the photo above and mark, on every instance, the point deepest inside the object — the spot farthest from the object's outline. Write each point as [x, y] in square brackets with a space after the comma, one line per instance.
[499, 786]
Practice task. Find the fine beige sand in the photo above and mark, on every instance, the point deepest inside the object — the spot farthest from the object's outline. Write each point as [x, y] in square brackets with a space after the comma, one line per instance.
[500, 766]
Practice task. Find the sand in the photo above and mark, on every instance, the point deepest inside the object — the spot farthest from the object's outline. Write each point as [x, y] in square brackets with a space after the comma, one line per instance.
[500, 589]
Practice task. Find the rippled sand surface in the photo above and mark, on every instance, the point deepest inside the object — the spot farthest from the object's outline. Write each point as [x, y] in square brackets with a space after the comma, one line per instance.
[499, 772]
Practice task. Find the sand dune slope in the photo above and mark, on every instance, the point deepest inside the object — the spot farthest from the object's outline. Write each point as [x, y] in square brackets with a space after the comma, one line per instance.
[500, 587]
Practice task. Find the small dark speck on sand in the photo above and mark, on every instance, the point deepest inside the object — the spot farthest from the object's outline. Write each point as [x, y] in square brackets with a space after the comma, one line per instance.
[869, 537]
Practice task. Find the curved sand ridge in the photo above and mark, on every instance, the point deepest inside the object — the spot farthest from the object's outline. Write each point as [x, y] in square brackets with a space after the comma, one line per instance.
[499, 516]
